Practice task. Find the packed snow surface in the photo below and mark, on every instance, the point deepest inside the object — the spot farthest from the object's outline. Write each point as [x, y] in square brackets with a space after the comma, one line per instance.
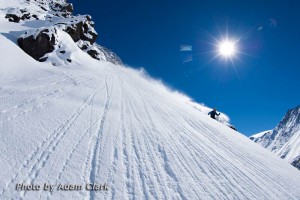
[95, 122]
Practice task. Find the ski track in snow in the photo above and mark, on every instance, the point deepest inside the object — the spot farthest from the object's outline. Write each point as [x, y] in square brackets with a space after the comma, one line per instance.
[40, 105]
[140, 143]
[37, 159]
[99, 132]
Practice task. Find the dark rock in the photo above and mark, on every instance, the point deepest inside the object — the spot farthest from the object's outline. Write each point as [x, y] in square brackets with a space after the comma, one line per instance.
[69, 60]
[43, 59]
[296, 162]
[39, 46]
[63, 52]
[56, 6]
[35, 16]
[84, 47]
[88, 17]
[13, 18]
[65, 15]
[18, 16]
[93, 54]
[67, 8]
[80, 30]
[75, 31]
[25, 16]
[43, 8]
[231, 126]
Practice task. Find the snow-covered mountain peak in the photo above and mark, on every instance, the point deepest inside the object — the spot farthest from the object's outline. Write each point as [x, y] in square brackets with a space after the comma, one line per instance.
[286, 129]
[284, 140]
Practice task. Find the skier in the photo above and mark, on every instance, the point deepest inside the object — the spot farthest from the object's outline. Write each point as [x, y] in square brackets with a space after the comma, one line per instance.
[213, 113]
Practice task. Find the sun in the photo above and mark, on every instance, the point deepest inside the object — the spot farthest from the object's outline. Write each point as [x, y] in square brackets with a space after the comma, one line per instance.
[227, 48]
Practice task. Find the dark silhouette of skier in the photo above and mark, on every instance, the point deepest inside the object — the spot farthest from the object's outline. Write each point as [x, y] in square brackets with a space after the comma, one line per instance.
[213, 113]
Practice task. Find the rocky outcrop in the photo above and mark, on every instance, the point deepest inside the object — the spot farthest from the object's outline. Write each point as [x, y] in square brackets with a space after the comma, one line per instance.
[16, 15]
[82, 30]
[38, 44]
[110, 56]
[101, 53]
[64, 10]
[52, 8]
[296, 162]
[58, 15]
[42, 41]
[67, 7]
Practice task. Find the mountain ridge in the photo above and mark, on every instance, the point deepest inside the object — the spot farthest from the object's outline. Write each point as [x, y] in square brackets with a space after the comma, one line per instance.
[284, 140]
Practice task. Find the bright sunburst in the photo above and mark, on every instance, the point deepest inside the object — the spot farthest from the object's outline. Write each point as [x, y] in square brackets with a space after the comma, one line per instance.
[227, 48]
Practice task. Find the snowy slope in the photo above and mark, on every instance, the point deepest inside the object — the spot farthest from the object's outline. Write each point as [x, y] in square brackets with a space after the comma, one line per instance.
[96, 122]
[284, 140]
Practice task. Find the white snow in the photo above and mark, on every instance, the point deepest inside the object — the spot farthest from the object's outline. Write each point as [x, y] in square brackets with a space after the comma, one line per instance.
[95, 122]
[261, 134]
[291, 149]
[284, 139]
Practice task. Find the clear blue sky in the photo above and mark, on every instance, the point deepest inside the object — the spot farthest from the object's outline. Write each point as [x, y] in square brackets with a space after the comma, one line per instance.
[256, 92]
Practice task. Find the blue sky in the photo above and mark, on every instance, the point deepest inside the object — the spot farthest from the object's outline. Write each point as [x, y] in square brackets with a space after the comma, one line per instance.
[255, 90]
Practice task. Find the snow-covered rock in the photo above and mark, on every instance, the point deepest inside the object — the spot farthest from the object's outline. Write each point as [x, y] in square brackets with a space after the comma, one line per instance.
[102, 53]
[38, 43]
[284, 140]
[16, 15]
[55, 15]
